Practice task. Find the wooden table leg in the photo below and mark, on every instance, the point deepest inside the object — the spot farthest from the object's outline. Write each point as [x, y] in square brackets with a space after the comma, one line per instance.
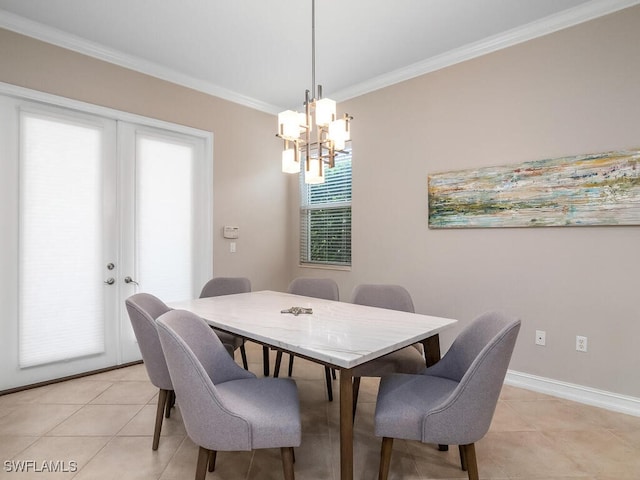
[432, 356]
[346, 424]
[432, 349]
[265, 360]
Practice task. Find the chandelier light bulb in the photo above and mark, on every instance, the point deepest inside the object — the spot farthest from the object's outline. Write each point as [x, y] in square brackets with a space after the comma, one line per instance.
[339, 133]
[315, 173]
[289, 126]
[325, 111]
[289, 163]
[339, 145]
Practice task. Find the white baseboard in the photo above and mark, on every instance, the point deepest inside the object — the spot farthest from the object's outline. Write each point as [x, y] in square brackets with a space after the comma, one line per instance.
[577, 393]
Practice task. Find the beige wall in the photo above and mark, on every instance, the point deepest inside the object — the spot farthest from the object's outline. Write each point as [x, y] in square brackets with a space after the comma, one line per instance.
[572, 92]
[249, 190]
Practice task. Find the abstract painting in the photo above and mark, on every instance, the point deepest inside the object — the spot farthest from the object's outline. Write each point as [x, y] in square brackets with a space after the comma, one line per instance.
[595, 189]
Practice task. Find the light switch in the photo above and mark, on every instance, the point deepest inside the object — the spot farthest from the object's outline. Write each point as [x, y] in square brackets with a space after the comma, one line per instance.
[232, 247]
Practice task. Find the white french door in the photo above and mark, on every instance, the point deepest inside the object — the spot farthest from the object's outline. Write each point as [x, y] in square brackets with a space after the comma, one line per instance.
[165, 216]
[92, 210]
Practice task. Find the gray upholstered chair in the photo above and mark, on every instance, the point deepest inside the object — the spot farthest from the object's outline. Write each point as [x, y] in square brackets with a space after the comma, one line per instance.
[325, 288]
[224, 407]
[227, 286]
[453, 401]
[143, 310]
[407, 360]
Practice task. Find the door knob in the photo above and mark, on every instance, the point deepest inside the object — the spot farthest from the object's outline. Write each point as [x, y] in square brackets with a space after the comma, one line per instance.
[110, 281]
[130, 280]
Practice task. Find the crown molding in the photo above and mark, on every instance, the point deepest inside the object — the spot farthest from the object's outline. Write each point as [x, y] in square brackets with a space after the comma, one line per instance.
[545, 26]
[68, 41]
[539, 28]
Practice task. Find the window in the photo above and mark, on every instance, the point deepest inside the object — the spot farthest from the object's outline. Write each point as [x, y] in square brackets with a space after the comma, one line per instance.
[325, 216]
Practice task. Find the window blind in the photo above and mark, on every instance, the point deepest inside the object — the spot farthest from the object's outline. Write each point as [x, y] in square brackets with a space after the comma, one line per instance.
[325, 216]
[61, 291]
[164, 213]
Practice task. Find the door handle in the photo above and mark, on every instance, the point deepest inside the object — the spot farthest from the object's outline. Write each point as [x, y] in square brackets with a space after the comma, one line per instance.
[110, 281]
[130, 280]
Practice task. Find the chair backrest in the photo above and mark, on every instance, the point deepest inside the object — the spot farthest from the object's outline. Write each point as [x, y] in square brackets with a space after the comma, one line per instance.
[478, 359]
[143, 310]
[198, 361]
[469, 344]
[393, 297]
[225, 286]
[325, 288]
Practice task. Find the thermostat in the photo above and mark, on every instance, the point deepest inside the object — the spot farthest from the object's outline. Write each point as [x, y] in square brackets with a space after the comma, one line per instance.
[230, 232]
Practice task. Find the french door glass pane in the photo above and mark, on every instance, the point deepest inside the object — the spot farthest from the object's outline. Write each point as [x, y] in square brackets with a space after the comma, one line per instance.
[61, 307]
[164, 216]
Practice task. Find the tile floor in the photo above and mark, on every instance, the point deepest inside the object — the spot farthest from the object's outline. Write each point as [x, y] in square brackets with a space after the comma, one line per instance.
[104, 424]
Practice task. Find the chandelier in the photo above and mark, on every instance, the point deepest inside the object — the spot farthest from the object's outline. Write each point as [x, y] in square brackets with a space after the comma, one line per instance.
[318, 144]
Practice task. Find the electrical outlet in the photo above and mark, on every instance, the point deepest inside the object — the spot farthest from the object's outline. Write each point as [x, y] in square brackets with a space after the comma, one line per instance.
[541, 337]
[581, 343]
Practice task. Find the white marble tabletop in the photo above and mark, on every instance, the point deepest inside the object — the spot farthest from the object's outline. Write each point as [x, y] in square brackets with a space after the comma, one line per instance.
[340, 334]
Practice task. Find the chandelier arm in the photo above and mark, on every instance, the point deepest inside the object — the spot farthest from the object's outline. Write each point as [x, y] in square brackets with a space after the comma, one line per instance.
[307, 110]
[308, 152]
[319, 149]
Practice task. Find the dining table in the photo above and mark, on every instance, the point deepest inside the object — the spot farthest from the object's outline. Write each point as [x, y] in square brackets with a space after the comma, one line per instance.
[336, 334]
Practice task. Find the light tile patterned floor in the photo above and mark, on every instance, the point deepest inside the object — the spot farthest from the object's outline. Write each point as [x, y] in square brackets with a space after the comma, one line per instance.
[104, 423]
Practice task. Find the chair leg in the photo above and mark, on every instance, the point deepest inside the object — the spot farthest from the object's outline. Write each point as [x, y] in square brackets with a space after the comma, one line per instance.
[265, 360]
[463, 458]
[276, 369]
[169, 403]
[385, 458]
[162, 401]
[287, 462]
[290, 364]
[203, 462]
[327, 375]
[471, 461]
[243, 353]
[356, 390]
[212, 460]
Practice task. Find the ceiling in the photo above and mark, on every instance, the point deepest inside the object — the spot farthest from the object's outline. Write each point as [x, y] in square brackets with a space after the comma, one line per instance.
[258, 52]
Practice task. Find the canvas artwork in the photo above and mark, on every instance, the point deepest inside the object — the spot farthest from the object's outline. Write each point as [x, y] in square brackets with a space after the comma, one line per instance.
[596, 189]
